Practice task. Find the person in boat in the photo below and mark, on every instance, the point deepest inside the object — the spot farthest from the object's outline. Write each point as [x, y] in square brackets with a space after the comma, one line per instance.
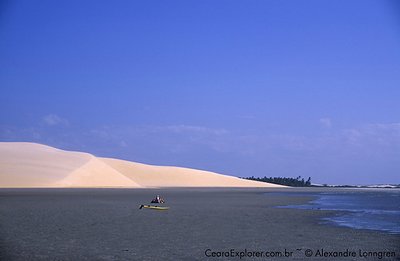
[158, 199]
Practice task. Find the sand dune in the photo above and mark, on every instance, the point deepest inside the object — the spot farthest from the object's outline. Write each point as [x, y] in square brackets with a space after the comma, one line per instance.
[25, 164]
[35, 165]
[96, 173]
[161, 176]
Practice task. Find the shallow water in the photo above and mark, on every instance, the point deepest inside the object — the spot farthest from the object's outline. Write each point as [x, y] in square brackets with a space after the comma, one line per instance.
[107, 224]
[375, 210]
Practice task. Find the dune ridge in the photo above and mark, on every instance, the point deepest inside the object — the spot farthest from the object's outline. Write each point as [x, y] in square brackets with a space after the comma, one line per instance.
[24, 164]
[150, 176]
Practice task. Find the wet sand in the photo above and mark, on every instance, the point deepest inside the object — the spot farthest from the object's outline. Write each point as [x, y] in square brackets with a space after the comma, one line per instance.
[106, 224]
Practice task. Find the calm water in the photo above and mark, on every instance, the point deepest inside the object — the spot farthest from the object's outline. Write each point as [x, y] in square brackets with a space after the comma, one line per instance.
[378, 210]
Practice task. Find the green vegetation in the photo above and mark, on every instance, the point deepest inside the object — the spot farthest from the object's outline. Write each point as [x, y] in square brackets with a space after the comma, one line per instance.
[293, 182]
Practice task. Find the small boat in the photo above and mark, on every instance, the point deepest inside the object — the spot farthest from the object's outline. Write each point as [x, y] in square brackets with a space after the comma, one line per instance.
[153, 207]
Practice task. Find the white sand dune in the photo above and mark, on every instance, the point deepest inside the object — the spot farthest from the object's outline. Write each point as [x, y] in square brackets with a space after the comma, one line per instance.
[96, 173]
[161, 176]
[24, 164]
[34, 165]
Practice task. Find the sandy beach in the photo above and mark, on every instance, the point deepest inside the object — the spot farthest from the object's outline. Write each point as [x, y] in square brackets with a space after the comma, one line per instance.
[106, 224]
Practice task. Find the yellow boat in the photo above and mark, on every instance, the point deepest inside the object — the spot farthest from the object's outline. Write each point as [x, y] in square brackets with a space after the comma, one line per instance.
[153, 207]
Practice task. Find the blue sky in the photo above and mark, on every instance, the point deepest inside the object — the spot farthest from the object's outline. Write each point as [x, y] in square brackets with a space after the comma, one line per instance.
[275, 88]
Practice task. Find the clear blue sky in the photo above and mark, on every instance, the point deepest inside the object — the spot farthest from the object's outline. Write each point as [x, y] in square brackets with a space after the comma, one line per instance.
[276, 88]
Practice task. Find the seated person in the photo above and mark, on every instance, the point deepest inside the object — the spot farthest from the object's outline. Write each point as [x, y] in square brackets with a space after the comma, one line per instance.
[158, 199]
